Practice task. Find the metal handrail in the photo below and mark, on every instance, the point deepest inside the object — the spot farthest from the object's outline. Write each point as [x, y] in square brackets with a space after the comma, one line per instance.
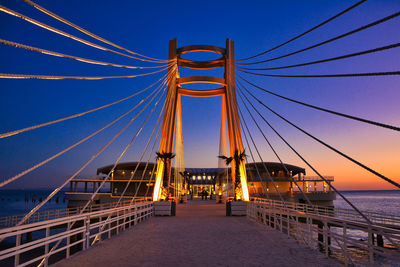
[313, 228]
[87, 226]
[375, 217]
[8, 221]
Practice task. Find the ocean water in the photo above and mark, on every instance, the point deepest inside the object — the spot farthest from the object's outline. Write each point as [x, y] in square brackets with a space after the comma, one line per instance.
[13, 202]
[384, 201]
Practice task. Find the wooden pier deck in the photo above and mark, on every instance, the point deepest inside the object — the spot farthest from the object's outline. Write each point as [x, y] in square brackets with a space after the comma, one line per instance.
[199, 235]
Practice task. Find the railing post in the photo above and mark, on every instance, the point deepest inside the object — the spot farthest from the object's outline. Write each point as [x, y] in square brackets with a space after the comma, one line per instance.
[68, 242]
[86, 233]
[326, 241]
[135, 216]
[269, 214]
[309, 224]
[264, 214]
[275, 216]
[46, 248]
[117, 224]
[297, 224]
[17, 244]
[288, 222]
[109, 228]
[100, 226]
[370, 246]
[346, 260]
[281, 217]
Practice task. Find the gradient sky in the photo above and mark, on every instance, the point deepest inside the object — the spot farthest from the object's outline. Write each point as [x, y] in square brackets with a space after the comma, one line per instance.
[146, 27]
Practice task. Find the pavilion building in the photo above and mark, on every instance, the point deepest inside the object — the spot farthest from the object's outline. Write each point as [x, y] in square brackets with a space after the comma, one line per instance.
[289, 181]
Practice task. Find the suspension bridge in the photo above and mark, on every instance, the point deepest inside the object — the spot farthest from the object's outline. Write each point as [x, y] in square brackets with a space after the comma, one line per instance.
[141, 213]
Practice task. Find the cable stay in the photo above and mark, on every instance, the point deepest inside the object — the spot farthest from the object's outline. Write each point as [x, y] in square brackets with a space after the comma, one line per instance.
[7, 181]
[52, 29]
[265, 167]
[396, 128]
[259, 155]
[325, 144]
[343, 75]
[49, 77]
[8, 134]
[28, 215]
[327, 59]
[327, 41]
[42, 9]
[323, 178]
[157, 126]
[111, 171]
[274, 151]
[255, 165]
[308, 31]
[80, 59]
[302, 192]
[140, 183]
[87, 163]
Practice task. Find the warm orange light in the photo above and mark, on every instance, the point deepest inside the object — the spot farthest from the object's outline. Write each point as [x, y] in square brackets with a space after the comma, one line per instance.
[157, 187]
[243, 181]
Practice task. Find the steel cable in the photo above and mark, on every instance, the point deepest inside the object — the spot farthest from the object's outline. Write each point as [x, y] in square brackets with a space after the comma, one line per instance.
[323, 109]
[51, 77]
[8, 134]
[276, 154]
[42, 9]
[391, 46]
[327, 41]
[346, 75]
[265, 167]
[325, 144]
[308, 164]
[108, 176]
[134, 172]
[308, 31]
[323, 178]
[9, 180]
[80, 59]
[52, 29]
[36, 208]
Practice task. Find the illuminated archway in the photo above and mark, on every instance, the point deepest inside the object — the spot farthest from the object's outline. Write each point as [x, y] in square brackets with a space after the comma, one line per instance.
[172, 120]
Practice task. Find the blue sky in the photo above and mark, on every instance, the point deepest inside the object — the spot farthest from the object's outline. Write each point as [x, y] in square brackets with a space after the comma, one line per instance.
[146, 27]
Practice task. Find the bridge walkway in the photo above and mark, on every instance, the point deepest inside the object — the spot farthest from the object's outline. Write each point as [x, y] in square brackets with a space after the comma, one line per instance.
[199, 235]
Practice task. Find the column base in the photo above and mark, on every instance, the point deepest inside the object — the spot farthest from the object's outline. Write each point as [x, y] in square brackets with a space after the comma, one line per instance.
[164, 208]
[236, 208]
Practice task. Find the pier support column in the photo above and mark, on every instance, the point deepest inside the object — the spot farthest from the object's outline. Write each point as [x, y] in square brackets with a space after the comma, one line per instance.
[379, 241]
[29, 237]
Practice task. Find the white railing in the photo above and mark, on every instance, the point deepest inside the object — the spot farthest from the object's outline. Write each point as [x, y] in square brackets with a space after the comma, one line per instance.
[86, 227]
[12, 220]
[335, 236]
[316, 178]
[383, 219]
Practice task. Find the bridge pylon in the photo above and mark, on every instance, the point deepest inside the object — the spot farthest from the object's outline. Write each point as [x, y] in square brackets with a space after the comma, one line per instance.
[172, 120]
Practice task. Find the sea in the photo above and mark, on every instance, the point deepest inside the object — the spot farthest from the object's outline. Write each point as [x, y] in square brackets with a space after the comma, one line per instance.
[16, 202]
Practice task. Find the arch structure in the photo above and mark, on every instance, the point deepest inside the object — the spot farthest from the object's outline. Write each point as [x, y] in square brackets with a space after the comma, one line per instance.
[172, 120]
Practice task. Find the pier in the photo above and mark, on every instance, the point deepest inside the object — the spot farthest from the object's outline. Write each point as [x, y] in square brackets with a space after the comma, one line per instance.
[269, 232]
[199, 235]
